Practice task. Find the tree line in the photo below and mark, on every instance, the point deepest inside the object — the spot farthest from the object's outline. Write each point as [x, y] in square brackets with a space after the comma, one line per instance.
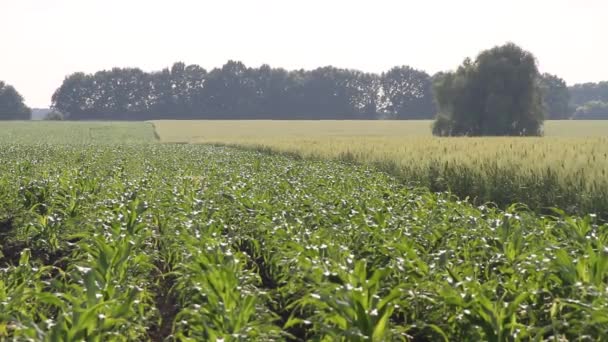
[590, 100]
[236, 91]
[586, 101]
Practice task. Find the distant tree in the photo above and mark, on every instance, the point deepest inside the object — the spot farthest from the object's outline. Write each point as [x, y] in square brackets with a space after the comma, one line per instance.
[229, 92]
[407, 94]
[497, 94]
[556, 97]
[271, 90]
[178, 92]
[587, 92]
[191, 86]
[365, 94]
[592, 110]
[11, 104]
[119, 94]
[75, 97]
[332, 93]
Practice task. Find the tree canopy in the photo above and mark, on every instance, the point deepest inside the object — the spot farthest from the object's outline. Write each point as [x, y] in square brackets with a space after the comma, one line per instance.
[405, 93]
[592, 110]
[498, 94]
[590, 101]
[586, 92]
[11, 104]
[556, 97]
[236, 91]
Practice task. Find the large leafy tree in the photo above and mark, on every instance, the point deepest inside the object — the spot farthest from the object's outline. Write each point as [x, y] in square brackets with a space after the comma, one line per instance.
[556, 97]
[407, 94]
[11, 104]
[496, 94]
[364, 94]
[75, 98]
[229, 91]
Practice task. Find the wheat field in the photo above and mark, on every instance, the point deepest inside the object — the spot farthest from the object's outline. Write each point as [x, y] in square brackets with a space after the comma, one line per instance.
[566, 168]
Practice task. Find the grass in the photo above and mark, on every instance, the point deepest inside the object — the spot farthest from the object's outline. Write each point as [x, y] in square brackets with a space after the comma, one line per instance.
[71, 132]
[192, 242]
[565, 169]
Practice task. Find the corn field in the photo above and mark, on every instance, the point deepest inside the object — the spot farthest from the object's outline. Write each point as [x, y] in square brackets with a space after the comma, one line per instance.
[154, 242]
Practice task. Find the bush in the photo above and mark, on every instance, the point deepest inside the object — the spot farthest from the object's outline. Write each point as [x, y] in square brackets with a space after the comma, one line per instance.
[54, 116]
[592, 110]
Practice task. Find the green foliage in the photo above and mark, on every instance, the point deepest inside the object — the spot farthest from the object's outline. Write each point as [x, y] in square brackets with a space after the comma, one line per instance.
[497, 95]
[11, 104]
[51, 132]
[350, 307]
[235, 91]
[587, 92]
[54, 116]
[592, 110]
[188, 243]
[407, 93]
[556, 97]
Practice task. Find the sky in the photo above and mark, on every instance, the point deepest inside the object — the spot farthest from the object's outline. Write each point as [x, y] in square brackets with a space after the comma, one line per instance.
[43, 41]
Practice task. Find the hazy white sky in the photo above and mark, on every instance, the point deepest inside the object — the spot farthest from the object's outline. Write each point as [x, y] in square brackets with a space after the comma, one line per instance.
[44, 40]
